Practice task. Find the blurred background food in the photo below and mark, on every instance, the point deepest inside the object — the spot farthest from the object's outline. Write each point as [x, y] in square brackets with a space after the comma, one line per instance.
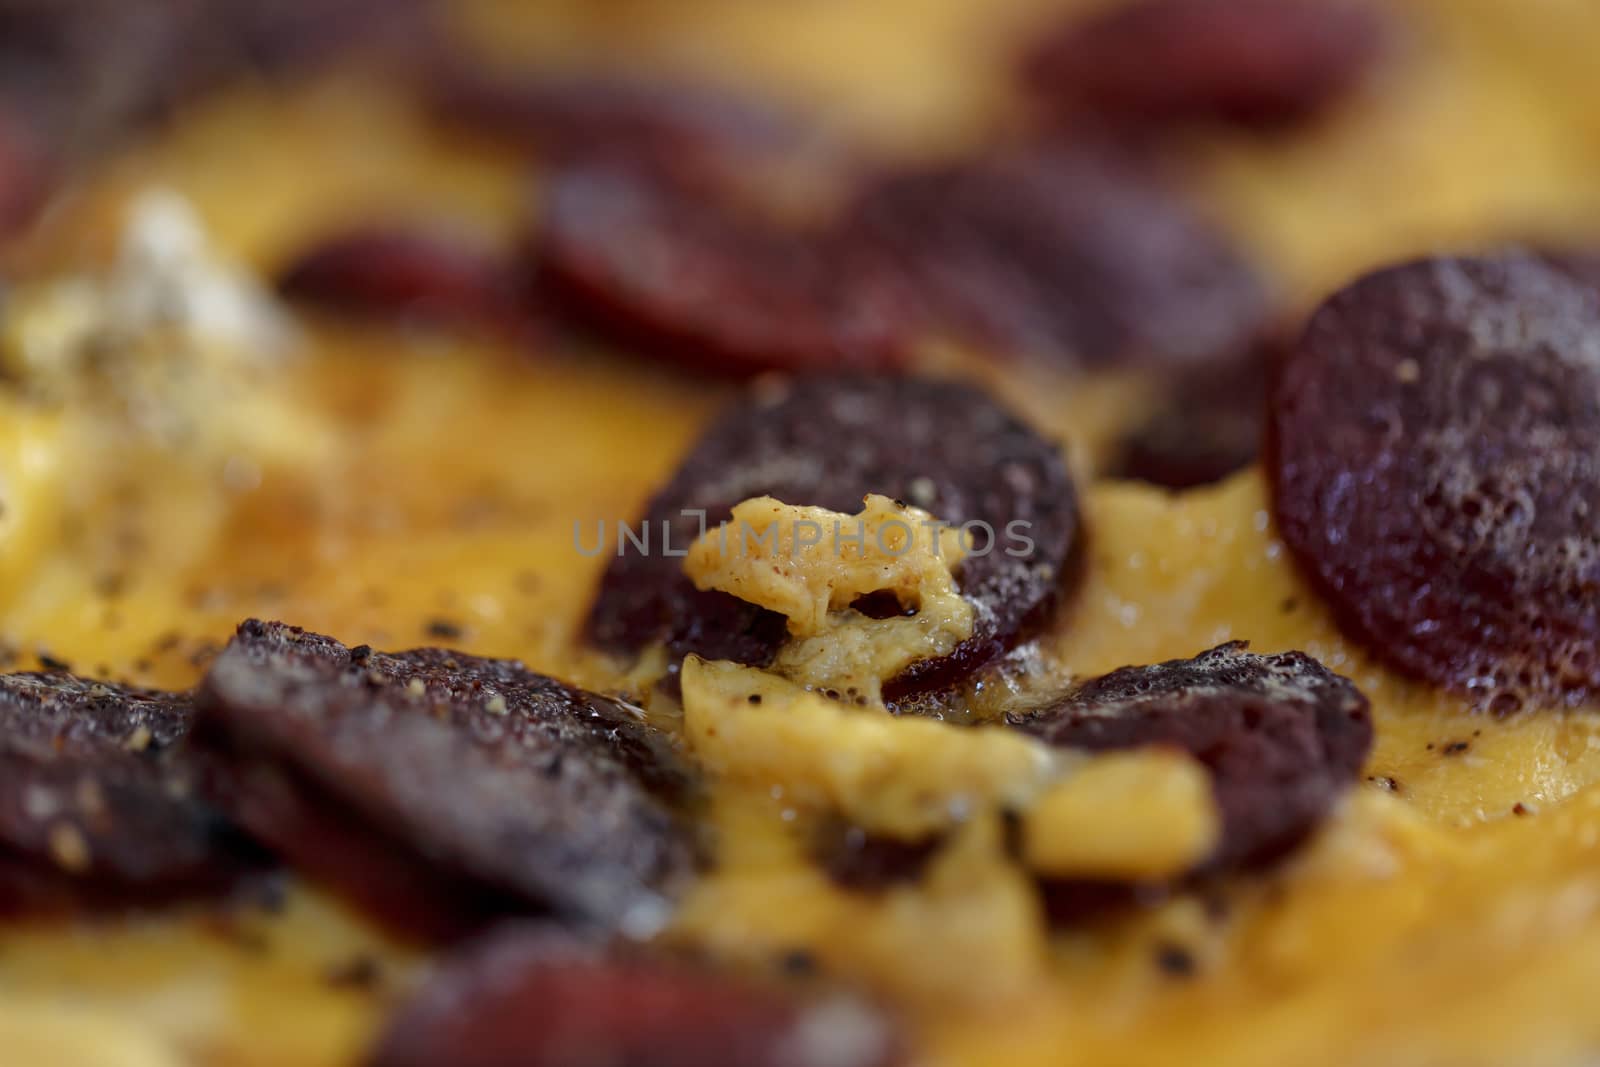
[342, 312]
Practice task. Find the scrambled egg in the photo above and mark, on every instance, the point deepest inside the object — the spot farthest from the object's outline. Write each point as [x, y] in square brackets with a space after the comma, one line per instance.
[384, 482]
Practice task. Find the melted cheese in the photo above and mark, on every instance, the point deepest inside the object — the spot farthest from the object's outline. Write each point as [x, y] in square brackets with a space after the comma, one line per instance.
[902, 776]
[810, 565]
[1124, 816]
[50, 1034]
[423, 478]
[1147, 815]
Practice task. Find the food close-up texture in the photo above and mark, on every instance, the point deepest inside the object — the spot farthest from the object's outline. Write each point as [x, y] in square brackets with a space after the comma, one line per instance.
[864, 533]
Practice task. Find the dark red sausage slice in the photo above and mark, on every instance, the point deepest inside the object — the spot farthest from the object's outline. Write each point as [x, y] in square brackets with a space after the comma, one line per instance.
[99, 799]
[946, 447]
[81, 75]
[277, 36]
[433, 783]
[53, 55]
[690, 280]
[24, 172]
[1079, 257]
[694, 134]
[1582, 264]
[1207, 425]
[86, 72]
[1436, 472]
[1260, 63]
[534, 998]
[401, 275]
[1283, 736]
